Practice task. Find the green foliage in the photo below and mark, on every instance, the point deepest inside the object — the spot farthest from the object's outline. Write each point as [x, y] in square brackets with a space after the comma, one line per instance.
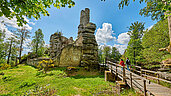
[4, 66]
[24, 56]
[100, 55]
[134, 45]
[30, 8]
[58, 74]
[38, 43]
[130, 92]
[12, 48]
[45, 65]
[115, 54]
[27, 83]
[59, 83]
[22, 35]
[6, 78]
[2, 49]
[153, 40]
[107, 51]
[154, 8]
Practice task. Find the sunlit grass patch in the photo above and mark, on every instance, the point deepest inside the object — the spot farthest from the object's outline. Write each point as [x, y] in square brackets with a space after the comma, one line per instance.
[26, 80]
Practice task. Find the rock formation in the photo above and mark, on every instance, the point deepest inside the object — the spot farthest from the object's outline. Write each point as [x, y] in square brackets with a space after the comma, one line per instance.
[86, 39]
[82, 52]
[57, 42]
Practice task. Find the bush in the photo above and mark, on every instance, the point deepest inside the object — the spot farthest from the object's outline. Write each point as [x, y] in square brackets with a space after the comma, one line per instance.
[45, 65]
[27, 83]
[58, 73]
[4, 66]
[6, 78]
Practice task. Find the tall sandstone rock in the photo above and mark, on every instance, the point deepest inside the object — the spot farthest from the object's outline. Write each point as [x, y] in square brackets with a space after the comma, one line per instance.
[82, 52]
[86, 39]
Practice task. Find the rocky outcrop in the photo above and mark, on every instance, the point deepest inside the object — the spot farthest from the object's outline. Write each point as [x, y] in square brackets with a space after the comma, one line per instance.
[86, 39]
[166, 63]
[83, 52]
[57, 42]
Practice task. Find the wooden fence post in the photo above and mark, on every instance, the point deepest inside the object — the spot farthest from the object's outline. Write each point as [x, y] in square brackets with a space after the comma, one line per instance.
[131, 79]
[145, 74]
[141, 74]
[116, 73]
[105, 62]
[158, 81]
[145, 90]
[124, 78]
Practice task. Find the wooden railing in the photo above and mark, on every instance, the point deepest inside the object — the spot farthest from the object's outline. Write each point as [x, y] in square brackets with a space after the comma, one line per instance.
[152, 74]
[134, 78]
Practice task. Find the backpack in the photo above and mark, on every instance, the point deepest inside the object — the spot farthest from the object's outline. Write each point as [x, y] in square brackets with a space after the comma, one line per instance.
[127, 61]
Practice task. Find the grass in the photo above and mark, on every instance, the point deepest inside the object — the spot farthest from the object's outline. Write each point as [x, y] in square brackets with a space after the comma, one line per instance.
[26, 80]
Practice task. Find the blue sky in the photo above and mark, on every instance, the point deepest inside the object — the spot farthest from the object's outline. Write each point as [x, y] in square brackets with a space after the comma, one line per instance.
[101, 13]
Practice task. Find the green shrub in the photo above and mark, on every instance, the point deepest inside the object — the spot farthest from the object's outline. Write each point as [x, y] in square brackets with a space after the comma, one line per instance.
[45, 65]
[6, 78]
[4, 66]
[27, 83]
[58, 73]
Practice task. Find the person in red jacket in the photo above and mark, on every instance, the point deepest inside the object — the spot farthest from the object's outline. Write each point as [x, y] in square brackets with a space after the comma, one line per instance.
[122, 63]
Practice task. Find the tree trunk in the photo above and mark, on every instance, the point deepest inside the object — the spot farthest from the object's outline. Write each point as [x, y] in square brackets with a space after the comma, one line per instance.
[37, 49]
[21, 45]
[9, 51]
[169, 25]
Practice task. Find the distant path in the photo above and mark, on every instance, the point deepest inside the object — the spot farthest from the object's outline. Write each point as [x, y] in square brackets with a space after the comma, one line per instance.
[138, 81]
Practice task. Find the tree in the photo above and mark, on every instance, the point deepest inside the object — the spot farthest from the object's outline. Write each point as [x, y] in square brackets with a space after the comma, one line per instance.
[100, 55]
[106, 51]
[154, 8]
[30, 8]
[38, 43]
[157, 9]
[155, 38]
[22, 34]
[134, 45]
[2, 36]
[115, 54]
[12, 41]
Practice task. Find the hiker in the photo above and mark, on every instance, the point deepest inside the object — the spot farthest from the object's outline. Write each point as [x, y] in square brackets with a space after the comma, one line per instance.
[122, 63]
[128, 63]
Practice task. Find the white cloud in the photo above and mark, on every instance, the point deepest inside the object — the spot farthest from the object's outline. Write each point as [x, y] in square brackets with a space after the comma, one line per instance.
[123, 38]
[13, 22]
[150, 27]
[7, 32]
[121, 48]
[102, 46]
[104, 34]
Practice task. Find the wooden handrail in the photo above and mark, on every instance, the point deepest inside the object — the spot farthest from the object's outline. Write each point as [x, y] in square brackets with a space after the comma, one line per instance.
[160, 79]
[131, 78]
[157, 78]
[136, 66]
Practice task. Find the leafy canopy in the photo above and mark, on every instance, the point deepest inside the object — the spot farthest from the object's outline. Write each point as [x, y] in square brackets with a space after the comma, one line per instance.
[134, 45]
[154, 39]
[30, 8]
[154, 8]
[38, 42]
